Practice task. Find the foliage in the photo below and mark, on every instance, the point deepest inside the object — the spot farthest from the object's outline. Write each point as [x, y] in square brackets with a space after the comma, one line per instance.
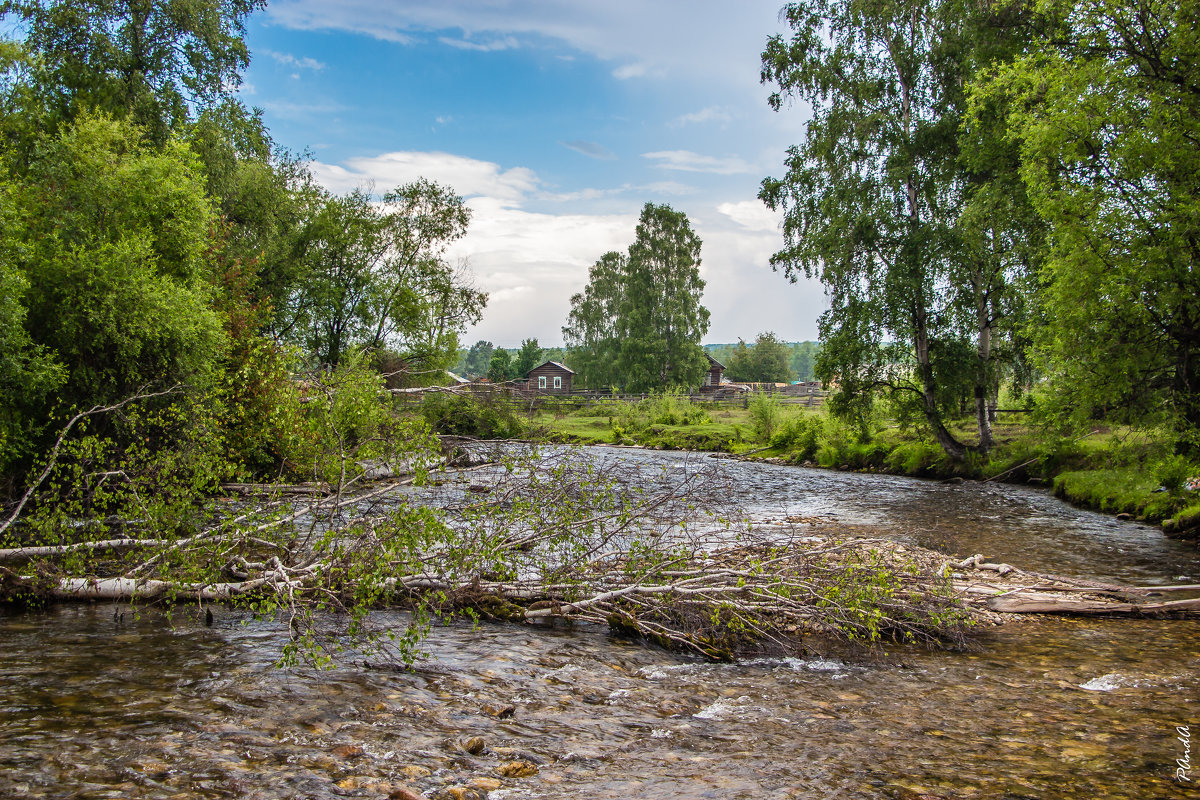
[459, 415]
[153, 62]
[374, 275]
[528, 357]
[766, 361]
[639, 321]
[114, 241]
[500, 368]
[800, 436]
[477, 360]
[1106, 114]
[765, 415]
[873, 204]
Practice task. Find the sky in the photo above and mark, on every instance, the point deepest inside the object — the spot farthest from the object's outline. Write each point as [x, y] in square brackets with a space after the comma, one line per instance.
[557, 121]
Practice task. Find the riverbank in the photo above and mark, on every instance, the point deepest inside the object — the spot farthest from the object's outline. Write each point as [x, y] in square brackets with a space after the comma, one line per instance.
[1109, 469]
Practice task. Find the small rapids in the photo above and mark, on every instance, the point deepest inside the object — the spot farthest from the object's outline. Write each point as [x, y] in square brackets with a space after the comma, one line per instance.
[101, 701]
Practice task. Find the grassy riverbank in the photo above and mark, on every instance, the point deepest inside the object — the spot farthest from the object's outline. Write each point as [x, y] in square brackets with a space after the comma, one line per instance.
[1109, 469]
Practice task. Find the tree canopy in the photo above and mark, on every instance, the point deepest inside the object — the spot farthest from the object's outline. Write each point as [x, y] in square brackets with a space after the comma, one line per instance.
[639, 321]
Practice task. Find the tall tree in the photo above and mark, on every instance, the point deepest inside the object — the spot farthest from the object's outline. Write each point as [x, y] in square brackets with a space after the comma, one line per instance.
[1107, 116]
[661, 321]
[765, 361]
[872, 199]
[500, 368]
[591, 330]
[151, 60]
[115, 239]
[639, 321]
[528, 357]
[376, 276]
[478, 358]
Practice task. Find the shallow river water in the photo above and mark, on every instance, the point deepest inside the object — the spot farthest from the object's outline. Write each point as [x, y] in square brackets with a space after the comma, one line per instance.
[99, 702]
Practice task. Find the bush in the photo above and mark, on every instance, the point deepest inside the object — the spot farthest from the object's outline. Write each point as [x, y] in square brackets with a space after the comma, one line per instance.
[455, 415]
[765, 415]
[800, 435]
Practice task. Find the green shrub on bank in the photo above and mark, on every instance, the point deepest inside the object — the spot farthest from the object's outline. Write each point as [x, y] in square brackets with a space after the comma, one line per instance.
[456, 415]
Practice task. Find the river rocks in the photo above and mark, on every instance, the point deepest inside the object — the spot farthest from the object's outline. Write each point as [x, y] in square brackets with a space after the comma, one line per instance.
[517, 769]
[474, 745]
[485, 784]
[500, 711]
[413, 772]
[348, 751]
[1123, 517]
[405, 793]
[461, 793]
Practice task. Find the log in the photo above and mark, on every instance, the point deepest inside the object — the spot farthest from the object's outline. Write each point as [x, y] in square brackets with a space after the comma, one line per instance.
[1041, 603]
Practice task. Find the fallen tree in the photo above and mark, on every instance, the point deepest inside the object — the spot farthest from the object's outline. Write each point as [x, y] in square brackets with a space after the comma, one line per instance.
[529, 536]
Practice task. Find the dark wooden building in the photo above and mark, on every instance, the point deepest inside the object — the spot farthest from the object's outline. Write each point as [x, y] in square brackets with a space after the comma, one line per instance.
[712, 378]
[551, 378]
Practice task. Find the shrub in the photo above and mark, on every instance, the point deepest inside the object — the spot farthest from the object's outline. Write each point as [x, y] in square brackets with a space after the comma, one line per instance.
[765, 415]
[801, 435]
[455, 415]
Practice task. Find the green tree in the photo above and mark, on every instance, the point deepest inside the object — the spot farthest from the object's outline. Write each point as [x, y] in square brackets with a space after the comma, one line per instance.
[766, 361]
[872, 198]
[500, 368]
[590, 334]
[528, 357]
[478, 358]
[115, 241]
[375, 276]
[639, 321]
[801, 360]
[1107, 115]
[153, 61]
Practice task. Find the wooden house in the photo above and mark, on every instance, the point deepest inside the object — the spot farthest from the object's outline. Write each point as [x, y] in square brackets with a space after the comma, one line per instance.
[714, 376]
[549, 378]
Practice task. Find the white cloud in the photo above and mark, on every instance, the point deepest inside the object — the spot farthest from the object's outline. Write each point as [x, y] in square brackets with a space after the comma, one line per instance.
[704, 40]
[469, 177]
[752, 215]
[629, 71]
[531, 262]
[710, 114]
[289, 60]
[687, 161]
[505, 43]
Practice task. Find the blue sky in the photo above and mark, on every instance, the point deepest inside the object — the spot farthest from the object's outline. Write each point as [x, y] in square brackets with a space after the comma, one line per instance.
[556, 121]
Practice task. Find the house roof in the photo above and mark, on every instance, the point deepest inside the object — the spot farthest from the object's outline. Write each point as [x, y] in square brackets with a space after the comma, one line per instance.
[551, 364]
[714, 361]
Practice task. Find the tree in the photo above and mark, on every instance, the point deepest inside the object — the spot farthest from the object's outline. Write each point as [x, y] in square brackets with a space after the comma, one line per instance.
[639, 321]
[478, 359]
[590, 334]
[152, 61]
[801, 359]
[375, 276]
[1106, 112]
[115, 241]
[500, 368]
[872, 198]
[528, 357]
[766, 361]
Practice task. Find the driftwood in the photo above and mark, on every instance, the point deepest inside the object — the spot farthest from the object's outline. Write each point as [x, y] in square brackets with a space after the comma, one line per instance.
[1044, 603]
[1053, 594]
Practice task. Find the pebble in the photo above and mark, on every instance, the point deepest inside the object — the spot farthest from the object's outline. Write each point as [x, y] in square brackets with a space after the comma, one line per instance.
[475, 745]
[517, 769]
[486, 784]
[413, 772]
[405, 793]
[348, 751]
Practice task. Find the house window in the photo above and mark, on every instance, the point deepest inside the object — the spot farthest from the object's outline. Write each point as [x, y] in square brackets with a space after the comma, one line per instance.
[557, 382]
[708, 379]
[541, 381]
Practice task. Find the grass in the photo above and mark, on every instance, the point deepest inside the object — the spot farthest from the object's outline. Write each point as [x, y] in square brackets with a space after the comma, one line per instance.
[1109, 468]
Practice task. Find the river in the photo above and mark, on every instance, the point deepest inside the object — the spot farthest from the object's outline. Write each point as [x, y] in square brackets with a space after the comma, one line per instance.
[97, 701]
